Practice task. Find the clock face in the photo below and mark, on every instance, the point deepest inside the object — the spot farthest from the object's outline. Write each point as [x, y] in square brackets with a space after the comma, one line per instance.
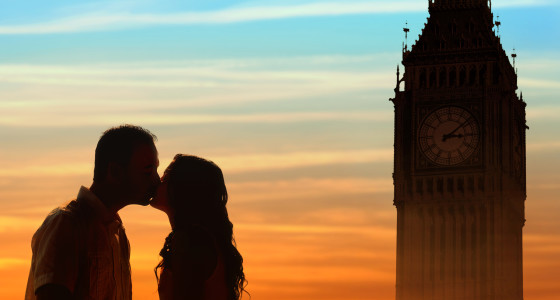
[449, 135]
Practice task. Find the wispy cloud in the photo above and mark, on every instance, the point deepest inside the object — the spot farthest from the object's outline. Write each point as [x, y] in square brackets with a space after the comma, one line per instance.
[150, 119]
[306, 188]
[232, 163]
[17, 224]
[544, 146]
[539, 83]
[543, 113]
[118, 21]
[165, 93]
[10, 262]
[277, 161]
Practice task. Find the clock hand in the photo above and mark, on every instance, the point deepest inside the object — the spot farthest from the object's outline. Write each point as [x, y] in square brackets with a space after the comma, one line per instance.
[448, 136]
[451, 134]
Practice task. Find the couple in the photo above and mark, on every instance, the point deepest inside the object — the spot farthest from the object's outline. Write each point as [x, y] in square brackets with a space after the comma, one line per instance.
[81, 250]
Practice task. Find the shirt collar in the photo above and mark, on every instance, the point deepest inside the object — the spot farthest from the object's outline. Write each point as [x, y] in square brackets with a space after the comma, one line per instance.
[98, 207]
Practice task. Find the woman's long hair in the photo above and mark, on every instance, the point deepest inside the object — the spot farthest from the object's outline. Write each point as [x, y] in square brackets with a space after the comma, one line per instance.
[197, 195]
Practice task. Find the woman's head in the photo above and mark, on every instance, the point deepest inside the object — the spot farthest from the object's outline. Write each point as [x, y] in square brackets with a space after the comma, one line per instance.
[192, 191]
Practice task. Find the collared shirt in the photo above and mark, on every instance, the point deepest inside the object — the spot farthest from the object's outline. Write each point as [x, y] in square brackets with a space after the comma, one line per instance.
[83, 247]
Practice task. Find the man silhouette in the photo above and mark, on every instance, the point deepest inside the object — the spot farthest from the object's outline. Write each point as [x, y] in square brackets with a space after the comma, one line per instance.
[81, 250]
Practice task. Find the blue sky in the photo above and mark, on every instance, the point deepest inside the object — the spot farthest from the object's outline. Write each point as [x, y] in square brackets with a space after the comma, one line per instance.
[64, 31]
[289, 97]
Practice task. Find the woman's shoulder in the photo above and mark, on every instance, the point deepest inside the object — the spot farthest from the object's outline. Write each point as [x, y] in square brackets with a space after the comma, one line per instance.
[195, 247]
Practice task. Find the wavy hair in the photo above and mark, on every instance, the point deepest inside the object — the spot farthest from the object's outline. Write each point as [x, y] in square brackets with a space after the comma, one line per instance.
[198, 196]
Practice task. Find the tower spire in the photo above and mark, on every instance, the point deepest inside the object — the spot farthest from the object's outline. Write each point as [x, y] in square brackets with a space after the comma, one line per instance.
[406, 30]
[498, 23]
[513, 56]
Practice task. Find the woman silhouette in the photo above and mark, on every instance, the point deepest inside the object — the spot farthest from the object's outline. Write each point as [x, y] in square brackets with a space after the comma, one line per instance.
[200, 260]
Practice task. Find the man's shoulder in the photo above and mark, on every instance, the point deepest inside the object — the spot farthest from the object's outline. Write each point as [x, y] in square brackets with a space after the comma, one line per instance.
[74, 213]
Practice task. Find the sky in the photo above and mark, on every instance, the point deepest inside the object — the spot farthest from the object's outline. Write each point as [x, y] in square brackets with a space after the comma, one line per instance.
[289, 98]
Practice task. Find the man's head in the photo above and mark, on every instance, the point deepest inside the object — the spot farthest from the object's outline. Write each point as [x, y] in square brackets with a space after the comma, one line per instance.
[126, 159]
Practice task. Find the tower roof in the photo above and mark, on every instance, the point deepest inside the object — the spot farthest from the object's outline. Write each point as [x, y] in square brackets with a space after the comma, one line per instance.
[455, 31]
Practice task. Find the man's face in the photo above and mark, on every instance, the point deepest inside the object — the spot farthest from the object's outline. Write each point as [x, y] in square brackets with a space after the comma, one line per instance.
[142, 177]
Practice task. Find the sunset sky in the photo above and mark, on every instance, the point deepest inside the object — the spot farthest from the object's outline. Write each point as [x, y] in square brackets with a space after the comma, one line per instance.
[289, 97]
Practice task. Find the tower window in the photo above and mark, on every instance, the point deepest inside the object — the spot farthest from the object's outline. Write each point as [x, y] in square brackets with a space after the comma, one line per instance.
[470, 184]
[472, 76]
[422, 81]
[482, 75]
[430, 185]
[495, 74]
[453, 28]
[442, 77]
[419, 186]
[450, 185]
[460, 184]
[433, 79]
[453, 77]
[462, 76]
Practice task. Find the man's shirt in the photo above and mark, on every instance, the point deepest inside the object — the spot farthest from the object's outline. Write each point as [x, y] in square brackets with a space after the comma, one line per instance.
[83, 248]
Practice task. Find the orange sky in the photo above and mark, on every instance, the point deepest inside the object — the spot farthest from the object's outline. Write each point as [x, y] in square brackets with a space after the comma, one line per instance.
[327, 235]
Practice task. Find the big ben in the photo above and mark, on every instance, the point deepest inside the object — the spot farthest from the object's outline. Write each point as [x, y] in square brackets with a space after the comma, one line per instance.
[459, 164]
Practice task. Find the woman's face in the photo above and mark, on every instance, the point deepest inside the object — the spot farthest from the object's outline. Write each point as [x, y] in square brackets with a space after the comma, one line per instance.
[161, 199]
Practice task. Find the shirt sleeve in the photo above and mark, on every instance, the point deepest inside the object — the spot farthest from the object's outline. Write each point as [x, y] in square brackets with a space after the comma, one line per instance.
[55, 252]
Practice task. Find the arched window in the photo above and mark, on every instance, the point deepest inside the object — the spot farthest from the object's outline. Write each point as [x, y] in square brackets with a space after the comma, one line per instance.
[452, 76]
[495, 73]
[442, 77]
[462, 43]
[472, 76]
[482, 75]
[462, 76]
[433, 79]
[422, 81]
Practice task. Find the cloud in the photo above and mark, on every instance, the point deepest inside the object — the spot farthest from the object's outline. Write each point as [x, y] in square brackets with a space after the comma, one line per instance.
[375, 231]
[9, 263]
[154, 93]
[539, 83]
[544, 146]
[306, 188]
[83, 89]
[117, 21]
[233, 164]
[152, 119]
[278, 161]
[188, 75]
[520, 3]
[543, 113]
[15, 224]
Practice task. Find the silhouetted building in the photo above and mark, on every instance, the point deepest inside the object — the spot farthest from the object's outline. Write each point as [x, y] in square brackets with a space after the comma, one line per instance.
[459, 170]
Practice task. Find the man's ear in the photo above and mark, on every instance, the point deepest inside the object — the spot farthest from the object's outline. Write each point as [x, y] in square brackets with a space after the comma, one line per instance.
[115, 173]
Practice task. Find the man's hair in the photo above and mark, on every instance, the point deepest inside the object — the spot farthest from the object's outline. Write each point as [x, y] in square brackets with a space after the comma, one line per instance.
[117, 145]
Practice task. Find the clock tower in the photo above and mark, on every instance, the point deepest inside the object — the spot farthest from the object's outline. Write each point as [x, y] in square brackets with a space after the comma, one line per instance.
[459, 165]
